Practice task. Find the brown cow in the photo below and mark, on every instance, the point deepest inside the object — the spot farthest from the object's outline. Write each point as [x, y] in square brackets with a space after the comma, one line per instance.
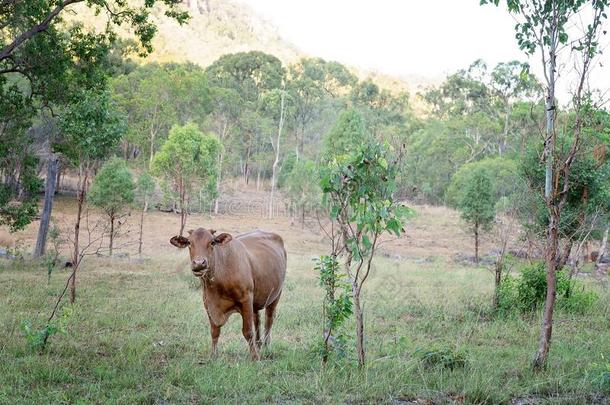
[243, 274]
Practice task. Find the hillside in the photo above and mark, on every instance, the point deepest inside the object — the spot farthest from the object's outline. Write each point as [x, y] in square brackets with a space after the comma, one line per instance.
[218, 27]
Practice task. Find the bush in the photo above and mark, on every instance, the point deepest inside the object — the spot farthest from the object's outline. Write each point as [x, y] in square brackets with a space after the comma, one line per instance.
[527, 293]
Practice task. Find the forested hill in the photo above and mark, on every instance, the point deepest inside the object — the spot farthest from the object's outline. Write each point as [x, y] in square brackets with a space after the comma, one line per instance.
[219, 27]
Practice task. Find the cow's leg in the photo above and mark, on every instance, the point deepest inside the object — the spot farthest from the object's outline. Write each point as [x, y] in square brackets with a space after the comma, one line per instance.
[247, 314]
[215, 331]
[269, 315]
[257, 327]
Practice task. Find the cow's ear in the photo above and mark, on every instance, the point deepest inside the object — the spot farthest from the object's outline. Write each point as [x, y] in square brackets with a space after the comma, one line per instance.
[179, 241]
[222, 239]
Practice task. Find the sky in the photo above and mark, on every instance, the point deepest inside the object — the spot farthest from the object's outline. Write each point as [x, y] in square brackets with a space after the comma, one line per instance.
[430, 38]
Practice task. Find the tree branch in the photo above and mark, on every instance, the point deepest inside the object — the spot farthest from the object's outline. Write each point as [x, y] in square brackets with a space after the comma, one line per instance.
[8, 49]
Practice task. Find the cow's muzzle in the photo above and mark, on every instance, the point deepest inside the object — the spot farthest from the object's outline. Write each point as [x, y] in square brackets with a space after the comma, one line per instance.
[199, 266]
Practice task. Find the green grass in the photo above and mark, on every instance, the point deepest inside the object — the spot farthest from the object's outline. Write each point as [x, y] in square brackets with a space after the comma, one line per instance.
[138, 334]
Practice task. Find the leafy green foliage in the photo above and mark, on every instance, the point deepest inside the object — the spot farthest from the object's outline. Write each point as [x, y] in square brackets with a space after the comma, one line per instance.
[91, 129]
[503, 173]
[113, 188]
[188, 155]
[527, 293]
[301, 187]
[347, 132]
[155, 97]
[337, 304]
[37, 339]
[187, 159]
[359, 189]
[145, 188]
[477, 203]
[588, 194]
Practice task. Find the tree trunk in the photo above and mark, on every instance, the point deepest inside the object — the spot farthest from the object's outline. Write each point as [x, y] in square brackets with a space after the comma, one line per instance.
[599, 268]
[246, 169]
[80, 199]
[182, 206]
[49, 195]
[152, 147]
[502, 147]
[554, 211]
[141, 230]
[549, 145]
[359, 324]
[218, 179]
[58, 182]
[111, 234]
[277, 155]
[497, 282]
[476, 243]
[551, 281]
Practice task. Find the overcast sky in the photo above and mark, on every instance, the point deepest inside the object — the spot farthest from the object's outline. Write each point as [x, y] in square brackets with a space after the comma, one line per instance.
[402, 37]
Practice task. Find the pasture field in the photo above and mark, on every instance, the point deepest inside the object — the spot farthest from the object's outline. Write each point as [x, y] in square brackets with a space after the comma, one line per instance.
[138, 333]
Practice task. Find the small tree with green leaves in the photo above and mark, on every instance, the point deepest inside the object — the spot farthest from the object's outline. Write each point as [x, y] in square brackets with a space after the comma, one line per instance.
[145, 188]
[91, 128]
[348, 131]
[302, 192]
[359, 189]
[188, 157]
[112, 191]
[478, 206]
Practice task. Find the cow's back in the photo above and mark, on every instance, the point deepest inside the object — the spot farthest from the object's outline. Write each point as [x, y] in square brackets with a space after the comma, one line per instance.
[267, 259]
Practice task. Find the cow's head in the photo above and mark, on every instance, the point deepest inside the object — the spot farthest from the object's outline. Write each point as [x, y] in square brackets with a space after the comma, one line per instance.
[201, 243]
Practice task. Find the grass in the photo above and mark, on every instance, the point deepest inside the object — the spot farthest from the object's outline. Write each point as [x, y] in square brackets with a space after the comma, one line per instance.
[138, 334]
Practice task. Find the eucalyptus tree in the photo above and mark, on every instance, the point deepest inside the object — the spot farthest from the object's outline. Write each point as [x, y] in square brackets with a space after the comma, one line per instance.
[511, 82]
[91, 128]
[112, 191]
[44, 63]
[543, 27]
[187, 158]
[155, 97]
[478, 206]
[359, 186]
[250, 75]
[317, 88]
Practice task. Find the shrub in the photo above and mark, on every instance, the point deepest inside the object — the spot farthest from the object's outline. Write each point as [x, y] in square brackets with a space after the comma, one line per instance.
[527, 293]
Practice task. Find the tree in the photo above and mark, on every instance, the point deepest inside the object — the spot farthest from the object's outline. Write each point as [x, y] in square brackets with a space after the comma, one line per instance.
[155, 97]
[91, 130]
[347, 132]
[301, 189]
[316, 89]
[112, 190]
[505, 175]
[44, 63]
[188, 157]
[250, 75]
[145, 187]
[24, 21]
[543, 26]
[276, 147]
[359, 187]
[478, 206]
